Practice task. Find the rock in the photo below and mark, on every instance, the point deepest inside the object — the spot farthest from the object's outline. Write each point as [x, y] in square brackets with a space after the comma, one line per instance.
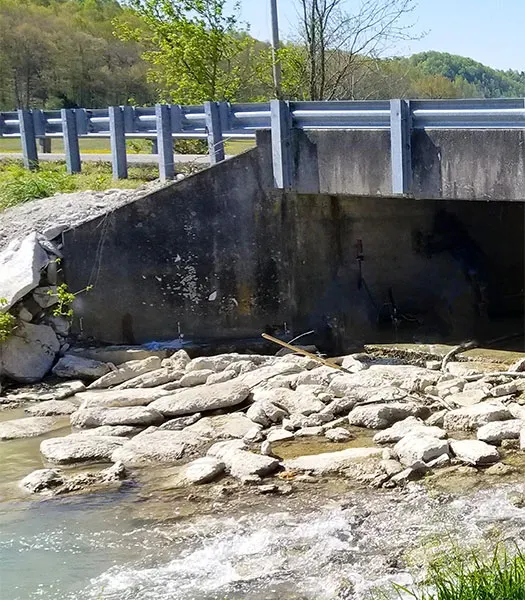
[221, 427]
[25, 315]
[467, 398]
[461, 369]
[510, 444]
[518, 366]
[340, 406]
[318, 376]
[415, 448]
[60, 325]
[265, 374]
[402, 428]
[57, 392]
[338, 434]
[306, 363]
[279, 435]
[195, 378]
[450, 385]
[440, 461]
[268, 489]
[436, 419]
[112, 431]
[500, 469]
[516, 410]
[299, 421]
[331, 462]
[433, 365]
[143, 416]
[116, 398]
[221, 377]
[253, 436]
[200, 471]
[76, 367]
[505, 389]
[126, 371]
[497, 431]
[215, 364]
[117, 355]
[180, 422]
[51, 408]
[210, 397]
[76, 448]
[158, 447]
[28, 354]
[21, 264]
[222, 450]
[391, 467]
[46, 296]
[408, 474]
[352, 364]
[177, 361]
[335, 423]
[152, 379]
[266, 448]
[472, 417]
[28, 427]
[290, 401]
[474, 452]
[243, 465]
[309, 432]
[265, 413]
[41, 480]
[381, 416]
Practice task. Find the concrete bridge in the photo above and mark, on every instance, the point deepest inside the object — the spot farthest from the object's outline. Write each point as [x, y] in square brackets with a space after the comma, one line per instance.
[365, 235]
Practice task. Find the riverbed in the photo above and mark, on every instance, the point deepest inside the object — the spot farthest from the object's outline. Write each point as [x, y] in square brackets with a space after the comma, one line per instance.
[326, 540]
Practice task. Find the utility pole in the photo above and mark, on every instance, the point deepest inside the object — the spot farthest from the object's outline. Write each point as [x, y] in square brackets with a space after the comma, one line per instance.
[275, 48]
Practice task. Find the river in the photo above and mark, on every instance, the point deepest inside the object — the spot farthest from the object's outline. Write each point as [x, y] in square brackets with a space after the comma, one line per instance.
[325, 541]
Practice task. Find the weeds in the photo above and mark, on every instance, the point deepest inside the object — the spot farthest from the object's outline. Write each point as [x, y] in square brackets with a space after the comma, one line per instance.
[470, 576]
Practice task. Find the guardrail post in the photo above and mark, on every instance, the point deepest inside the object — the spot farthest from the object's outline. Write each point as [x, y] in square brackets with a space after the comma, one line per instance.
[164, 142]
[213, 126]
[39, 123]
[82, 119]
[281, 144]
[27, 136]
[117, 136]
[71, 147]
[400, 146]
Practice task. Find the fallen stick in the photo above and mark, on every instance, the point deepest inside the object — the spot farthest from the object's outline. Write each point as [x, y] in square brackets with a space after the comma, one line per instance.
[323, 361]
[455, 351]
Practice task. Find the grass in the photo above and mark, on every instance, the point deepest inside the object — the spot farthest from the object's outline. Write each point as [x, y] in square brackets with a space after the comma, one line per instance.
[18, 185]
[101, 146]
[456, 576]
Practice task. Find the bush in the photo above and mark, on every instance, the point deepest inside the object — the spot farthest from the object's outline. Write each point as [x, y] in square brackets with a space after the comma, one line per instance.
[472, 577]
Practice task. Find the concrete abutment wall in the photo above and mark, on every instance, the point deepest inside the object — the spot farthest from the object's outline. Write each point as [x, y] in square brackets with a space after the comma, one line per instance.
[223, 255]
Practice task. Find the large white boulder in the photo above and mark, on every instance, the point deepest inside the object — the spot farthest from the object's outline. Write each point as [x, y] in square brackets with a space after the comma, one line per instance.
[77, 367]
[414, 448]
[472, 417]
[203, 398]
[305, 403]
[474, 452]
[497, 431]
[381, 416]
[126, 371]
[141, 416]
[29, 353]
[21, 264]
[402, 428]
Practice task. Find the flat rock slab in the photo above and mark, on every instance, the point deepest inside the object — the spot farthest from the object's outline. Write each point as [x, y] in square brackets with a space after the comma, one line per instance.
[474, 452]
[381, 416]
[402, 428]
[29, 427]
[51, 408]
[246, 465]
[497, 431]
[115, 398]
[76, 367]
[78, 448]
[153, 378]
[332, 462]
[142, 416]
[221, 427]
[112, 431]
[41, 480]
[200, 471]
[415, 448]
[472, 417]
[159, 447]
[126, 371]
[305, 403]
[201, 399]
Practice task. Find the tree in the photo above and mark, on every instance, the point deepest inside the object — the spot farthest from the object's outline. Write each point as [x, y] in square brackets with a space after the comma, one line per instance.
[336, 42]
[193, 46]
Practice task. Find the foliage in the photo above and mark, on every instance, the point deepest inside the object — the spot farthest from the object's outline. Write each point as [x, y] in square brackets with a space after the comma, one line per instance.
[18, 185]
[65, 299]
[472, 577]
[193, 47]
[7, 322]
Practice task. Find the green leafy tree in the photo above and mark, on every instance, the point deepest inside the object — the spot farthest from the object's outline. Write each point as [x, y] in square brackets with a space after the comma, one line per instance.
[194, 47]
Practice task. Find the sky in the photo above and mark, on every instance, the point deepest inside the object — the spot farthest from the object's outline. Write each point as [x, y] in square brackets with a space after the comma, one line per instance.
[489, 31]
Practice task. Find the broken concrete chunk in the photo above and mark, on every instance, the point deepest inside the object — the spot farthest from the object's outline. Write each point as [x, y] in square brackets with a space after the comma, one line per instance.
[21, 264]
[76, 367]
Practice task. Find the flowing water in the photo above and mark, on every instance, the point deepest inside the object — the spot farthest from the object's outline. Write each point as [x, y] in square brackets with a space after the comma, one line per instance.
[327, 541]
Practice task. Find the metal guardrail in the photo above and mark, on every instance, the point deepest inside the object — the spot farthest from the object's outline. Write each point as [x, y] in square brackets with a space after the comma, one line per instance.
[219, 121]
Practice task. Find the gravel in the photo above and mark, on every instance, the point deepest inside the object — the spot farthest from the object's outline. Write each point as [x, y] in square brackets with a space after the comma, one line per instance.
[55, 214]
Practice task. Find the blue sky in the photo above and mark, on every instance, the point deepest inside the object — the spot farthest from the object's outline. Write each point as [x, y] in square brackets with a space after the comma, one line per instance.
[490, 31]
